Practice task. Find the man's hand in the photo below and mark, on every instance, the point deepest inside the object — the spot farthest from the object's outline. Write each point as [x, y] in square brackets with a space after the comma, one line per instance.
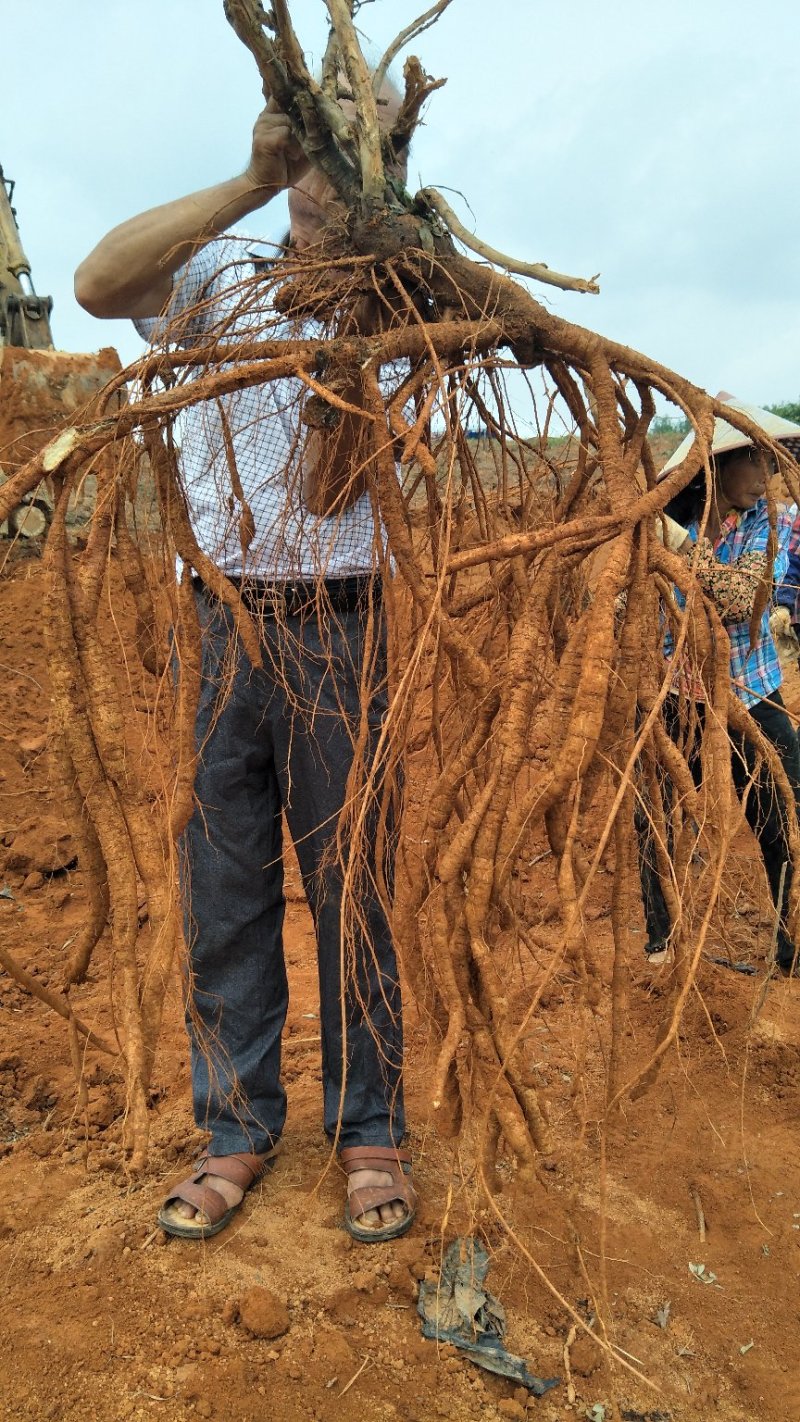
[130, 271]
[277, 160]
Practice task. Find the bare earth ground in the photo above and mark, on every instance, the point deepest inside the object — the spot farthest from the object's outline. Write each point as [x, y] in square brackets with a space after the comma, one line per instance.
[100, 1317]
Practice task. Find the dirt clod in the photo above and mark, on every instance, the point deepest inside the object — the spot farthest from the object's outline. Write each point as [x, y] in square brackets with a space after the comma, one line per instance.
[509, 1407]
[43, 845]
[32, 745]
[364, 1281]
[262, 1314]
[585, 1356]
[402, 1281]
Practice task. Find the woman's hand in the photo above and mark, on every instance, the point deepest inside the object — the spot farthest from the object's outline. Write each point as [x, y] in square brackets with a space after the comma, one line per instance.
[780, 622]
[672, 534]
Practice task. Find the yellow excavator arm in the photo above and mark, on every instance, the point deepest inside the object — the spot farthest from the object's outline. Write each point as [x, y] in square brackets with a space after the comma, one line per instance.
[24, 316]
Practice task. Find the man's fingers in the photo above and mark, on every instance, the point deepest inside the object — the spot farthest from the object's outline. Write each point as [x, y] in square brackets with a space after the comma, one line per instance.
[273, 125]
[271, 118]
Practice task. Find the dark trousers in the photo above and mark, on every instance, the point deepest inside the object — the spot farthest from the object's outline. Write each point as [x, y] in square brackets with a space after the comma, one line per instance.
[764, 812]
[281, 738]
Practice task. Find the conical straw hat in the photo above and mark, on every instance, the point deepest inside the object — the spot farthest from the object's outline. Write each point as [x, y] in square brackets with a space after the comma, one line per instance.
[726, 437]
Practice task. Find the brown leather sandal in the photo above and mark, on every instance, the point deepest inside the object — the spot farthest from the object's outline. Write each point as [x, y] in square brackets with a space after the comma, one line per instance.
[241, 1169]
[394, 1162]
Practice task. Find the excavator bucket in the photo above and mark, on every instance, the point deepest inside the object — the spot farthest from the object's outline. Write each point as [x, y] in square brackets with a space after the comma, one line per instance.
[40, 390]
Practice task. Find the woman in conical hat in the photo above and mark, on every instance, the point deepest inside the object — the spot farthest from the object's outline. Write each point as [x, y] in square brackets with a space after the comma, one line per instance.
[730, 564]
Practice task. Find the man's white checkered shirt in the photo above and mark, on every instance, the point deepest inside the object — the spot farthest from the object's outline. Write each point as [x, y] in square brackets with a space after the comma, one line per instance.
[266, 436]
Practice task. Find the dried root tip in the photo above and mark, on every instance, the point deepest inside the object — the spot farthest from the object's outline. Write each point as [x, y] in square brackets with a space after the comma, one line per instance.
[538, 270]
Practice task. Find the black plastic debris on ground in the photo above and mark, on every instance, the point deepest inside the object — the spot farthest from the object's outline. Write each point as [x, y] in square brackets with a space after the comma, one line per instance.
[458, 1309]
[629, 1415]
[746, 968]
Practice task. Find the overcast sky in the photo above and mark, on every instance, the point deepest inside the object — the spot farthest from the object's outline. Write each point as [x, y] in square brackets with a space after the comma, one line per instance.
[655, 144]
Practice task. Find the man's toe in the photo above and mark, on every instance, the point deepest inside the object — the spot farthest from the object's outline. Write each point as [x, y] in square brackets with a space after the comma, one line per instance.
[371, 1219]
[180, 1211]
[384, 1216]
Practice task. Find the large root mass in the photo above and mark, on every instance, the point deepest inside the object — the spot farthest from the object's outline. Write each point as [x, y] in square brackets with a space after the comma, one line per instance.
[527, 596]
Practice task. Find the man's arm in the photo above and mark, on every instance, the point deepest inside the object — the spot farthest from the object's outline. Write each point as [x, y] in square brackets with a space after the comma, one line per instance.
[130, 271]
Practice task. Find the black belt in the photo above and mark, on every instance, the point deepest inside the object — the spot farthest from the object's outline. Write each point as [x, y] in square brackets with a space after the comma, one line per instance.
[293, 599]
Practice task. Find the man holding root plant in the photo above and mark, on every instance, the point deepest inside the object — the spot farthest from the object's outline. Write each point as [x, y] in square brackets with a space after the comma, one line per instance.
[284, 516]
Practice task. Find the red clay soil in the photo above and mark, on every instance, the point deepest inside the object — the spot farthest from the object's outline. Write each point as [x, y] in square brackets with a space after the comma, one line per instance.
[39, 390]
[100, 1317]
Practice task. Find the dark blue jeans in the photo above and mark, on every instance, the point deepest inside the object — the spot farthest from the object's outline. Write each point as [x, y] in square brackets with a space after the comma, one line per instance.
[282, 738]
[764, 812]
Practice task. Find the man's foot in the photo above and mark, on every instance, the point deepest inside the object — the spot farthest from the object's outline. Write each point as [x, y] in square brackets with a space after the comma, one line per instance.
[787, 956]
[658, 954]
[381, 1201]
[205, 1203]
[385, 1214]
[231, 1194]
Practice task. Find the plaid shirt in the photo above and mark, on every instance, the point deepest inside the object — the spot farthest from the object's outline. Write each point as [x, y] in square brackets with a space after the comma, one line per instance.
[755, 674]
[787, 591]
[218, 293]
